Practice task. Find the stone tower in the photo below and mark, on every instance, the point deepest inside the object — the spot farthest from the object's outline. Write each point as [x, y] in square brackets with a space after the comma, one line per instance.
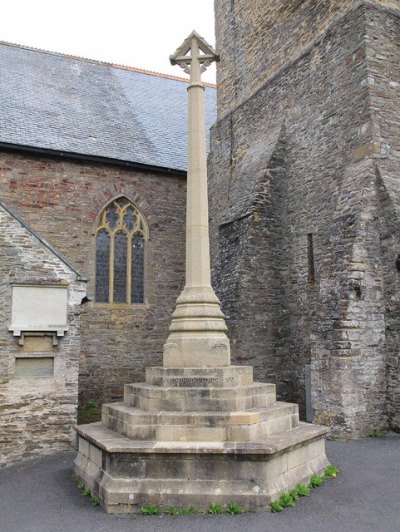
[305, 201]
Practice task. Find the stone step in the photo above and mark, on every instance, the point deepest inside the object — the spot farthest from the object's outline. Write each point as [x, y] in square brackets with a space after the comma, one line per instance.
[224, 377]
[200, 426]
[128, 474]
[149, 397]
[199, 419]
[112, 442]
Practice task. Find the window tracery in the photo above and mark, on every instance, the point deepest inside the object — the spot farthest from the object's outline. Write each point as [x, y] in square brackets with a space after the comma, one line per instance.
[120, 253]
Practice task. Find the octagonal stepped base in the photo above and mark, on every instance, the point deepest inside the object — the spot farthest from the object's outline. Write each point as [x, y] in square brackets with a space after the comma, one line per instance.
[128, 474]
[194, 436]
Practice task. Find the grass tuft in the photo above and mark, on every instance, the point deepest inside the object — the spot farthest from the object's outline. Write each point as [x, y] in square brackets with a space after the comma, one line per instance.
[95, 501]
[234, 508]
[377, 433]
[331, 471]
[302, 490]
[151, 509]
[275, 507]
[215, 508]
[316, 481]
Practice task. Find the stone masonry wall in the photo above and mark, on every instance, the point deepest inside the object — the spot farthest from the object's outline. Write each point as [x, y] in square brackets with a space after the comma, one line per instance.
[36, 413]
[61, 200]
[247, 267]
[296, 184]
[383, 52]
[257, 38]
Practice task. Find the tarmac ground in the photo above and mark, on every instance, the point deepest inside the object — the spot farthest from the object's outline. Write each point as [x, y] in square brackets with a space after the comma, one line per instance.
[41, 496]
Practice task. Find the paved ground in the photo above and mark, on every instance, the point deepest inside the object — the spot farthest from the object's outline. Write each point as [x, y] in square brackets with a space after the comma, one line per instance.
[40, 496]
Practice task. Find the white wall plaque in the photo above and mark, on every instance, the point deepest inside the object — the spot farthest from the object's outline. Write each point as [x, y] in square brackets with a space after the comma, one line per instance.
[40, 309]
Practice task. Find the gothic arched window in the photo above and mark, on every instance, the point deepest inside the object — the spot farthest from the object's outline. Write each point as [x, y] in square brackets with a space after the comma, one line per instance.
[120, 245]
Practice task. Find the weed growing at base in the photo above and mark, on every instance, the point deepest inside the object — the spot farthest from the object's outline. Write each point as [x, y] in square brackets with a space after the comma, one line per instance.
[180, 511]
[215, 508]
[288, 499]
[376, 433]
[234, 509]
[316, 481]
[95, 501]
[331, 471]
[86, 492]
[151, 509]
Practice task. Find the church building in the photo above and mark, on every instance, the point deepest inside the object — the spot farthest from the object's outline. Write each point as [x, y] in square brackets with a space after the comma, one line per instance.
[92, 206]
[304, 196]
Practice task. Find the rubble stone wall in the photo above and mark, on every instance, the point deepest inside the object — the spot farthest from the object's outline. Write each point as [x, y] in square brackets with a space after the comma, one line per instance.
[37, 413]
[257, 38]
[303, 184]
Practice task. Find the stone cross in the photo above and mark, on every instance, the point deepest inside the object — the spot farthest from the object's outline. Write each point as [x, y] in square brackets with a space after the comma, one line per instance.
[198, 330]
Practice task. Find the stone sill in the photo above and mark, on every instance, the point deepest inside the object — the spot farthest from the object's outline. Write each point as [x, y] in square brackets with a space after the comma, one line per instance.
[36, 354]
[118, 306]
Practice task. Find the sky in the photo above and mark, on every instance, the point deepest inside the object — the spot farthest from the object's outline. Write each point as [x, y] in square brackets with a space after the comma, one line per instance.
[138, 33]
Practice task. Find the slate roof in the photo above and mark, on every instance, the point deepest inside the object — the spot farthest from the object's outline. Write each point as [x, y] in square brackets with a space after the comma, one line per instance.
[52, 101]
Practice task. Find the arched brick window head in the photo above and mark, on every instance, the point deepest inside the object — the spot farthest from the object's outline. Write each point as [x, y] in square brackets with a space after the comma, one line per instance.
[120, 253]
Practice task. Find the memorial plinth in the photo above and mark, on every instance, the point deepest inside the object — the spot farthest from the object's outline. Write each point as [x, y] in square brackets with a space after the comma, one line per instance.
[191, 437]
[199, 430]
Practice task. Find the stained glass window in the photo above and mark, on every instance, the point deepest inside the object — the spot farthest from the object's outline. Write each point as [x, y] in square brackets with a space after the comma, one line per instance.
[120, 254]
[102, 265]
[112, 217]
[130, 218]
[120, 267]
[137, 268]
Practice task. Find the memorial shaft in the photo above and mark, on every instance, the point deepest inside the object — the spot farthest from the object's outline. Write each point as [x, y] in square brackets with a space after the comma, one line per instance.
[198, 330]
[197, 234]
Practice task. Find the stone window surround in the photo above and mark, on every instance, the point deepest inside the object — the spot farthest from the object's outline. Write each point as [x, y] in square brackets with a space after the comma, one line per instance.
[141, 228]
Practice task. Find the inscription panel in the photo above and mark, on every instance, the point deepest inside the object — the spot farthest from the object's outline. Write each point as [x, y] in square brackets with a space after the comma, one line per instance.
[39, 308]
[195, 381]
[34, 367]
[37, 344]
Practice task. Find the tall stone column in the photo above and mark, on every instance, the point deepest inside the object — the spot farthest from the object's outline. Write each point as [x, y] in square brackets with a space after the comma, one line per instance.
[198, 330]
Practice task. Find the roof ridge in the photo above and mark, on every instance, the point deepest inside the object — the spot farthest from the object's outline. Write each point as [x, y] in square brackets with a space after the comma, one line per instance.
[103, 63]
